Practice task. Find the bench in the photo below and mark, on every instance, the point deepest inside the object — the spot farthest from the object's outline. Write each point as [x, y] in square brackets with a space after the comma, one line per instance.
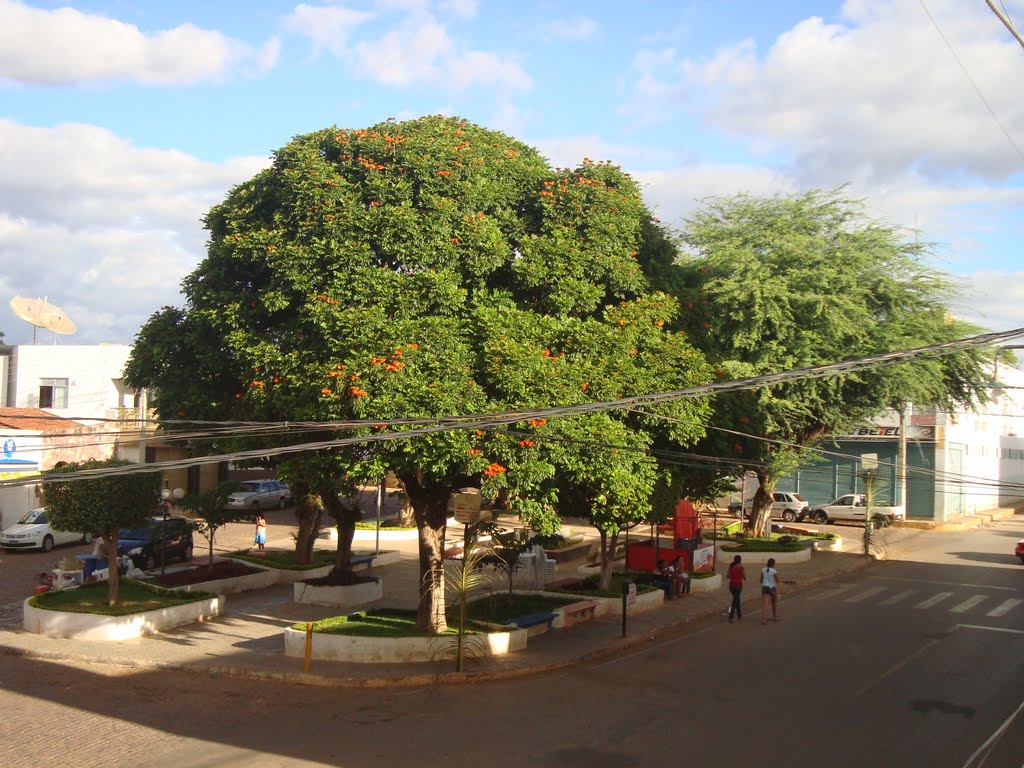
[575, 613]
[535, 623]
[365, 560]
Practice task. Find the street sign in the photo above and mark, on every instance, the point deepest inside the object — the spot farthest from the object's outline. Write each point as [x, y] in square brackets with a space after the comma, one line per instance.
[631, 595]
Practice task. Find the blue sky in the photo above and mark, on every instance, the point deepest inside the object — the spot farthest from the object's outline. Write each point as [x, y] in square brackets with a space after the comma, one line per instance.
[122, 121]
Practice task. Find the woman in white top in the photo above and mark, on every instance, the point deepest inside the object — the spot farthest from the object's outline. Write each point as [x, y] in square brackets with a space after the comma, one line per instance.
[769, 591]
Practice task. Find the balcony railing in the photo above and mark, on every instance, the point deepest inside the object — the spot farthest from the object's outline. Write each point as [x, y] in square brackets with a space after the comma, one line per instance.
[133, 419]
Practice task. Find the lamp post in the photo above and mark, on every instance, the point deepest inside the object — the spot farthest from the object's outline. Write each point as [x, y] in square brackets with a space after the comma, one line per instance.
[166, 494]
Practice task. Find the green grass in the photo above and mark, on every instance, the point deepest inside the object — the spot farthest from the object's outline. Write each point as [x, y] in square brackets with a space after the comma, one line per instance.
[615, 589]
[761, 545]
[133, 597]
[385, 525]
[501, 607]
[381, 622]
[284, 559]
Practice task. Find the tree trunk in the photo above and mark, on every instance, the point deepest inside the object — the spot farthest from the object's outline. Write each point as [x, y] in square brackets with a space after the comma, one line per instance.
[345, 514]
[406, 515]
[211, 547]
[431, 508]
[309, 513]
[759, 522]
[607, 558]
[113, 567]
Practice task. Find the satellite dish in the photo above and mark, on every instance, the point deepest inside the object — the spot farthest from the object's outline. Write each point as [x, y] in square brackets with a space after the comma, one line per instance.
[42, 314]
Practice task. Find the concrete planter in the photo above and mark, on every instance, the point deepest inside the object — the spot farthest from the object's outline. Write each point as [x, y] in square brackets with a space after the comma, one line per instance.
[830, 545]
[612, 606]
[760, 558]
[90, 626]
[570, 552]
[391, 650]
[267, 577]
[392, 534]
[341, 597]
[710, 584]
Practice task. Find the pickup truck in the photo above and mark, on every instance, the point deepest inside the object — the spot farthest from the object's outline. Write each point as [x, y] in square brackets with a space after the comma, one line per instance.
[852, 508]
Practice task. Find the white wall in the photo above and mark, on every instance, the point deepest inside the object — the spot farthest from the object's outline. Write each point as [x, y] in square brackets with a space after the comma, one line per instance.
[93, 373]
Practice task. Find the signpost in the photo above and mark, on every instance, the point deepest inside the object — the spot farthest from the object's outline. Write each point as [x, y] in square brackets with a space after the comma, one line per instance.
[628, 599]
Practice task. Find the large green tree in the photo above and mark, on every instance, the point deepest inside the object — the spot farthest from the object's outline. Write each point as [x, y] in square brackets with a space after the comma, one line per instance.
[429, 269]
[776, 283]
[102, 505]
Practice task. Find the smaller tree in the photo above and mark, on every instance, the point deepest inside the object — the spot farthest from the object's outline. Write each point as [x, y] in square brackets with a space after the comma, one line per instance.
[101, 505]
[510, 545]
[210, 508]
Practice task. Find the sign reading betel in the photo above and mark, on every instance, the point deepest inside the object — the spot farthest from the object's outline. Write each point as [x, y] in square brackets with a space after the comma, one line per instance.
[465, 507]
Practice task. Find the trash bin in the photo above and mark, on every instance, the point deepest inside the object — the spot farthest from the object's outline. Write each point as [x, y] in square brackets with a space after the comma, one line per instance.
[90, 563]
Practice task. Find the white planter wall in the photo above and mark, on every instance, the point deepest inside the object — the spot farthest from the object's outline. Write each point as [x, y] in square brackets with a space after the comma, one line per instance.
[338, 596]
[388, 650]
[91, 626]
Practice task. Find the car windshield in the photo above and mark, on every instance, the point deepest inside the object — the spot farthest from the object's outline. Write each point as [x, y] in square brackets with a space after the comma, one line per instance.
[798, 497]
[249, 486]
[35, 517]
[135, 533]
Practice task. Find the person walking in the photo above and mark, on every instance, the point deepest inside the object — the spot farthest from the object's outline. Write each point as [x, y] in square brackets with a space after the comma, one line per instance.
[736, 576]
[769, 591]
[261, 532]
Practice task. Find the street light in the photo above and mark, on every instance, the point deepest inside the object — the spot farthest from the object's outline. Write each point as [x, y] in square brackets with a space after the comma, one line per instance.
[166, 494]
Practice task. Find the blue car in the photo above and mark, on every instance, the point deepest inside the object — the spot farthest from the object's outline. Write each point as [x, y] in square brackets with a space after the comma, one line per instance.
[144, 545]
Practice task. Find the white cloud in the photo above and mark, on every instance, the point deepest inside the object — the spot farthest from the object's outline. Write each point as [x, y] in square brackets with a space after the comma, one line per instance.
[67, 46]
[328, 27]
[579, 28]
[103, 228]
[463, 9]
[868, 98]
[1002, 296]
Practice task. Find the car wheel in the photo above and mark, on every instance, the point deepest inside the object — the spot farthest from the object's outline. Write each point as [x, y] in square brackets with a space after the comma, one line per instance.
[47, 543]
[789, 515]
[87, 538]
[188, 553]
[1022, 559]
[820, 517]
[256, 506]
[878, 522]
[281, 504]
[151, 564]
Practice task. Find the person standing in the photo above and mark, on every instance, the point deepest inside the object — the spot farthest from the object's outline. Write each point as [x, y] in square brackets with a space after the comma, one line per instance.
[736, 576]
[769, 591]
[261, 532]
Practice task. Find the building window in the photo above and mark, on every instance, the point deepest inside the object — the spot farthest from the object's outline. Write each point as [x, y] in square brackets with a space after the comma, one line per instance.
[53, 393]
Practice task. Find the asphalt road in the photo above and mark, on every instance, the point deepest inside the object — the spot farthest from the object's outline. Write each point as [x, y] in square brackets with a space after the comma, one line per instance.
[912, 662]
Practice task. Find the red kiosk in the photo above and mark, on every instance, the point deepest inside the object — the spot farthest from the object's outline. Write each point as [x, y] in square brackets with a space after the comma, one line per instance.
[685, 542]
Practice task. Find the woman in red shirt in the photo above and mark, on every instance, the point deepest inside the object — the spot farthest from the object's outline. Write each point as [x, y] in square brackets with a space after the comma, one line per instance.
[736, 577]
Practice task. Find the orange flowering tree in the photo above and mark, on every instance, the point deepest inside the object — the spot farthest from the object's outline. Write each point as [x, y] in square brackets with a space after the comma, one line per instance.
[428, 269]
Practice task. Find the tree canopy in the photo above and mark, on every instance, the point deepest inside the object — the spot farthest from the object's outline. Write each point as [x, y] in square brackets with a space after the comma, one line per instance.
[101, 505]
[428, 269]
[785, 282]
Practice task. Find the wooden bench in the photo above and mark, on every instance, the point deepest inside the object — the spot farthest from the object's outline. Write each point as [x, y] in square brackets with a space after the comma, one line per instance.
[535, 623]
[575, 613]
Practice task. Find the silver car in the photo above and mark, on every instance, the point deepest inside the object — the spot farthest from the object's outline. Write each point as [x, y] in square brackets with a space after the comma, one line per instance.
[254, 495]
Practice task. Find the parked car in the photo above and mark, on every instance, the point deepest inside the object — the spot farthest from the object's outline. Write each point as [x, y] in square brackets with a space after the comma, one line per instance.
[33, 531]
[1020, 550]
[254, 495]
[853, 508]
[144, 545]
[788, 506]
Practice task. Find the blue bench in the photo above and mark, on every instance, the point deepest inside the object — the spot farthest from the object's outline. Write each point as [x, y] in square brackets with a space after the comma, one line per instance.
[535, 623]
[366, 560]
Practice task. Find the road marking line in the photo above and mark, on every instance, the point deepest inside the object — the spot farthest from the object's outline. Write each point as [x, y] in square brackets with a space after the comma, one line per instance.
[996, 734]
[897, 597]
[896, 667]
[1005, 607]
[967, 604]
[991, 629]
[946, 583]
[832, 592]
[933, 600]
[861, 596]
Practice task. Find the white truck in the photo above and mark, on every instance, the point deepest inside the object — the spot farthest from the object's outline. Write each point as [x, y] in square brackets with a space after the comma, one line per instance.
[853, 508]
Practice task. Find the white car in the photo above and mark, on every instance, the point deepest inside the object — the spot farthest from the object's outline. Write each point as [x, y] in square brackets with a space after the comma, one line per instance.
[788, 506]
[254, 495]
[34, 532]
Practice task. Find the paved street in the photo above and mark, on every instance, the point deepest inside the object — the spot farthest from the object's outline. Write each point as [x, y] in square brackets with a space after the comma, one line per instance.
[918, 661]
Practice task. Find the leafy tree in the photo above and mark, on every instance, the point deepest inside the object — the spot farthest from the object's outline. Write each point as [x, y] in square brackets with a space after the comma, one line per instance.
[103, 505]
[427, 269]
[210, 507]
[791, 281]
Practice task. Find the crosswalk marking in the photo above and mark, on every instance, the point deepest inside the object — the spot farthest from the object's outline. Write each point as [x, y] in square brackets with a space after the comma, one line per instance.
[898, 597]
[967, 604]
[1004, 607]
[933, 600]
[861, 596]
[829, 594]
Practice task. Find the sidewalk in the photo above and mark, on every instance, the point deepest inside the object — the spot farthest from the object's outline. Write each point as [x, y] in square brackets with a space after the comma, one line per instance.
[247, 640]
